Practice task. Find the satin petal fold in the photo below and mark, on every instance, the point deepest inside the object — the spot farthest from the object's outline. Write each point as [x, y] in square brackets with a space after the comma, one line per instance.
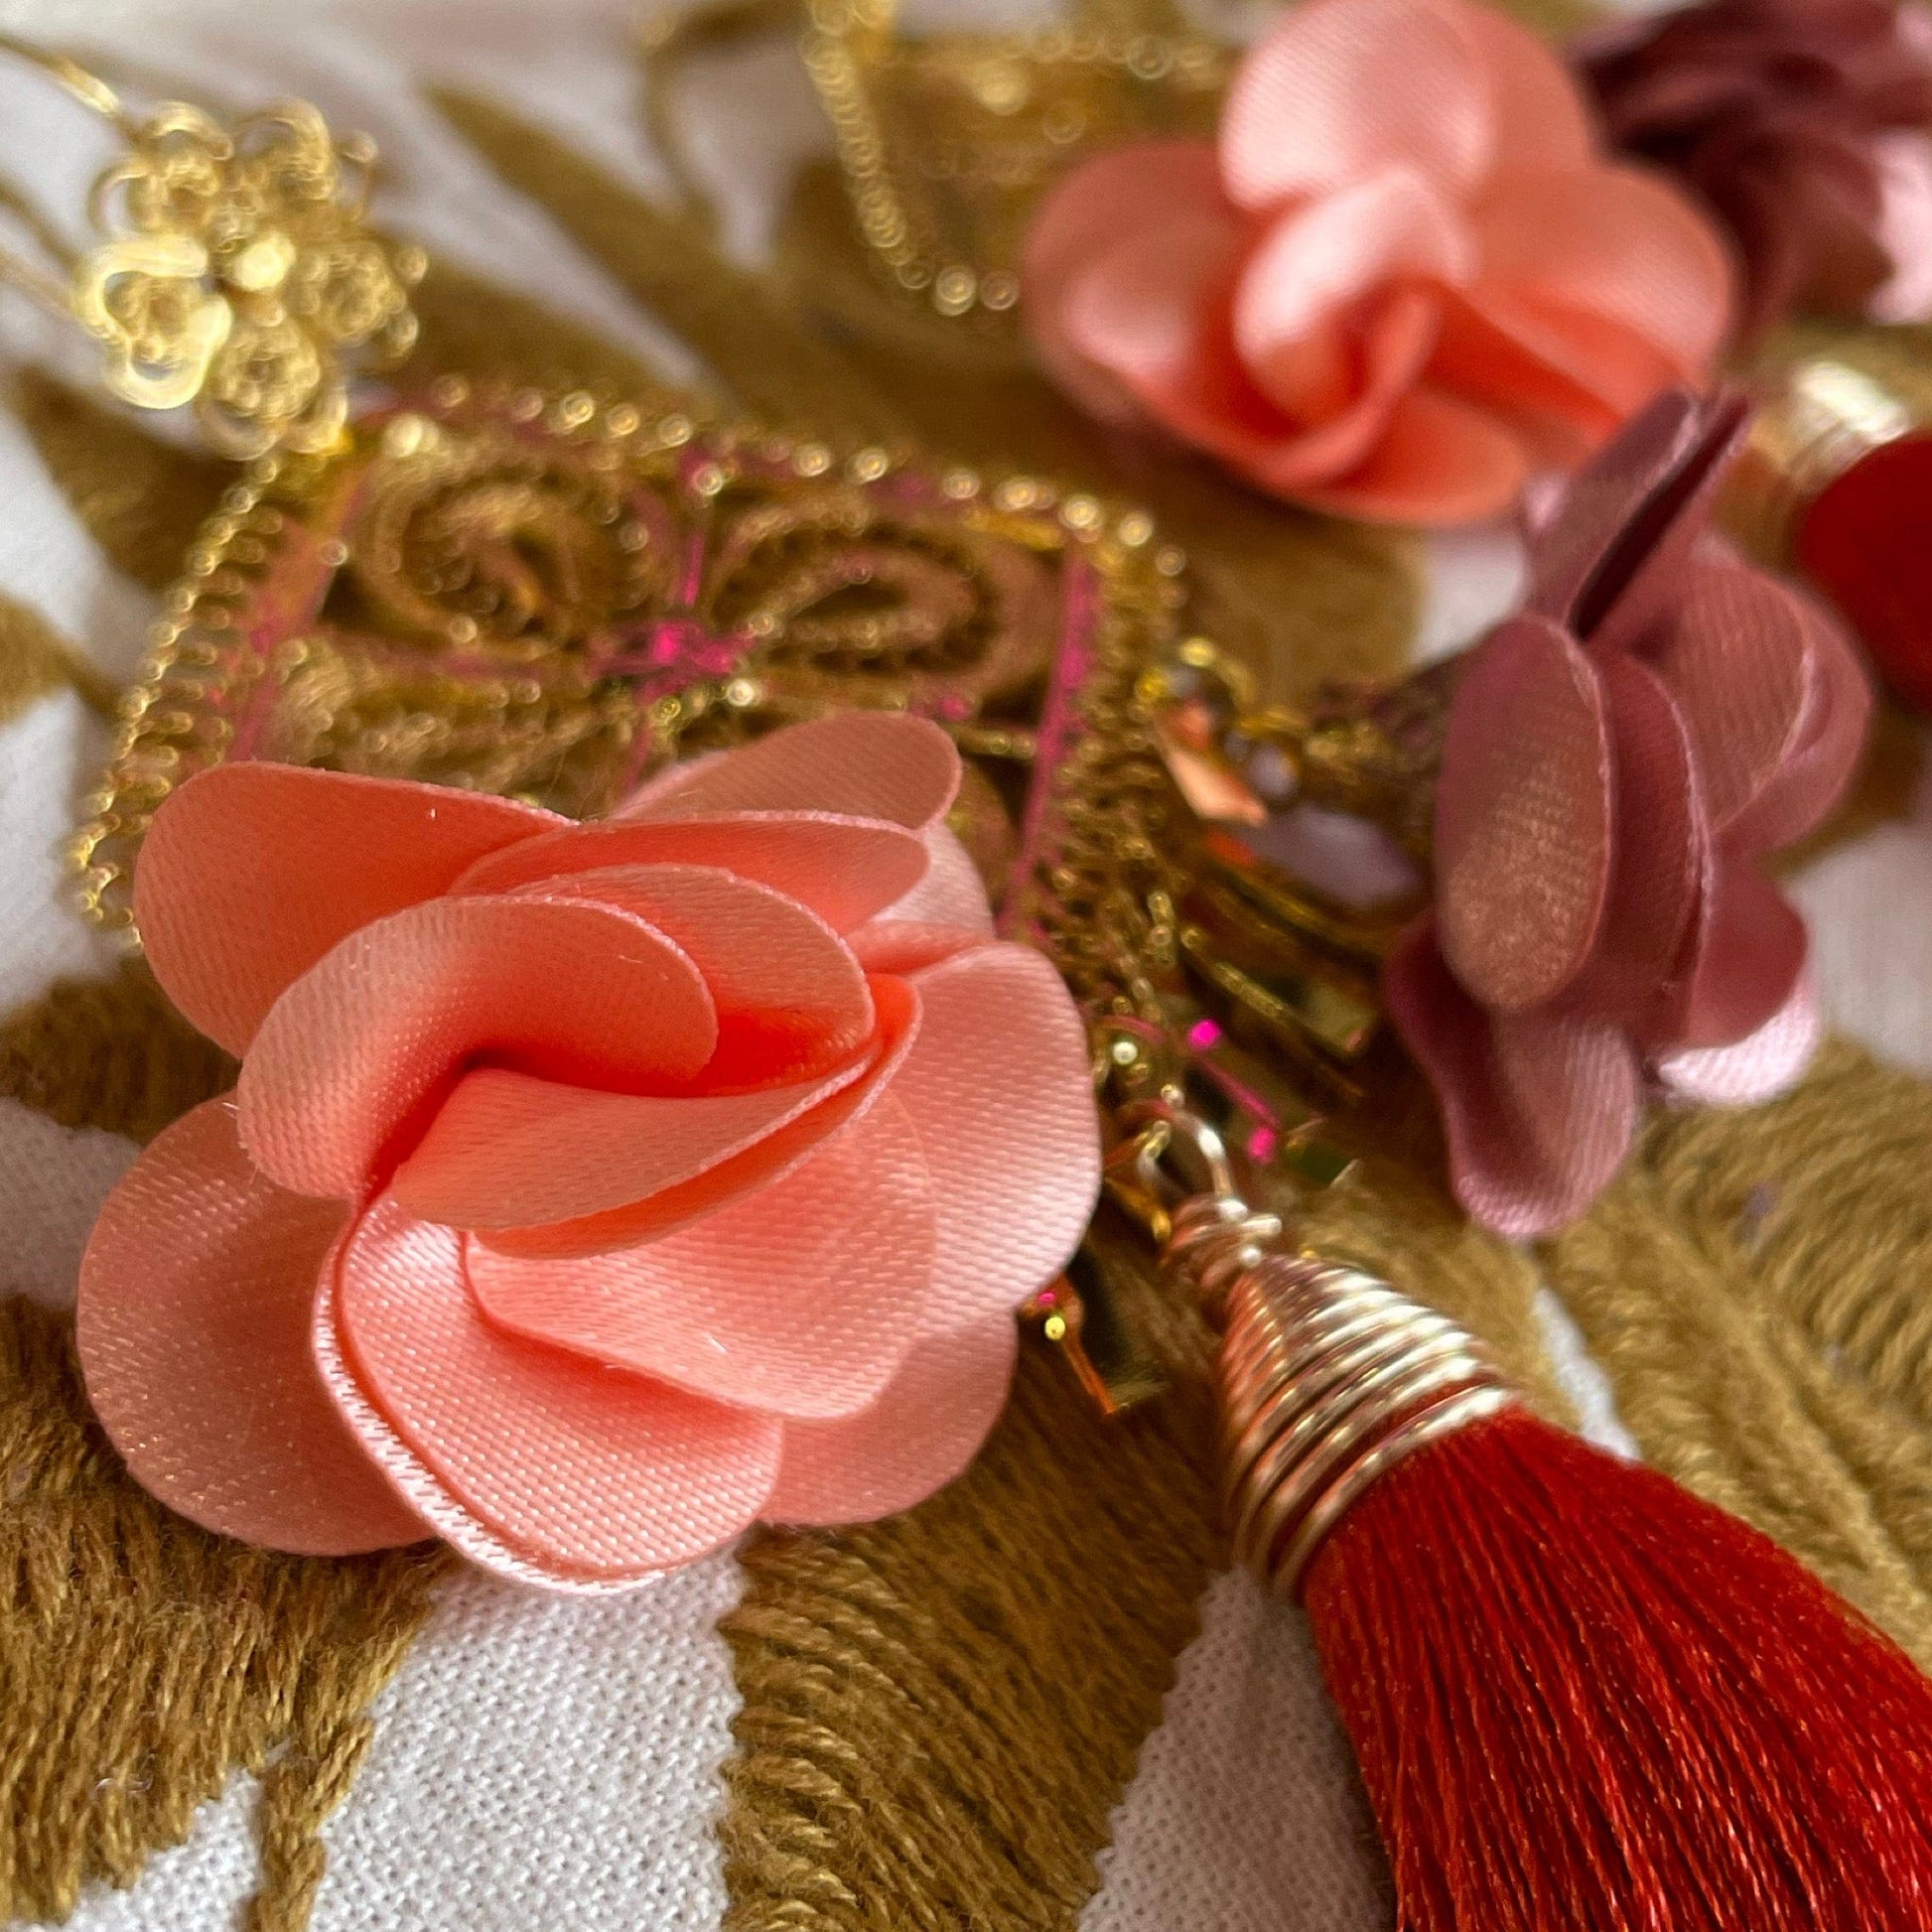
[1155, 182]
[468, 1167]
[998, 1087]
[918, 1436]
[583, 1469]
[854, 764]
[193, 1329]
[1617, 243]
[1299, 305]
[952, 892]
[1610, 564]
[1749, 956]
[251, 872]
[791, 997]
[1442, 461]
[845, 870]
[350, 1054]
[1539, 1111]
[509, 1151]
[1535, 105]
[796, 1300]
[1150, 308]
[1757, 1069]
[1660, 847]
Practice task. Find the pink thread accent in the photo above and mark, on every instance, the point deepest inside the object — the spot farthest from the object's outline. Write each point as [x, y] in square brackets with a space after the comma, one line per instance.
[1059, 727]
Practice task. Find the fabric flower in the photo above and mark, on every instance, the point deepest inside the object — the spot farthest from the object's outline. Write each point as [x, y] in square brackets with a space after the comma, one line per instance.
[1620, 759]
[1403, 279]
[590, 1190]
[1803, 125]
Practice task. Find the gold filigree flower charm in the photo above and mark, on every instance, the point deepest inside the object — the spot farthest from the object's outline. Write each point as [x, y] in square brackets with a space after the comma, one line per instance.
[238, 274]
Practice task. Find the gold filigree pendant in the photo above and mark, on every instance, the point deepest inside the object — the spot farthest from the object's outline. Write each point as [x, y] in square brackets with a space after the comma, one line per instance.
[550, 596]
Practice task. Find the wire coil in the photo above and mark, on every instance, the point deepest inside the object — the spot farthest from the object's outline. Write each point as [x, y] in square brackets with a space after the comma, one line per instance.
[1328, 1378]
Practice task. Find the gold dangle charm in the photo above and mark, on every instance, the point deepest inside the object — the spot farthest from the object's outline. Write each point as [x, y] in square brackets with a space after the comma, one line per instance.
[235, 272]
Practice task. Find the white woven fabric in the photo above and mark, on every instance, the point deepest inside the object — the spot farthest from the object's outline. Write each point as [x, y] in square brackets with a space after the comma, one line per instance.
[53, 1180]
[540, 1765]
[1247, 1815]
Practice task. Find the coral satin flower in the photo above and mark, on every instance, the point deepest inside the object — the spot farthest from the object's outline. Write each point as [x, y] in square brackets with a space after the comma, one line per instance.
[1620, 759]
[590, 1192]
[1403, 279]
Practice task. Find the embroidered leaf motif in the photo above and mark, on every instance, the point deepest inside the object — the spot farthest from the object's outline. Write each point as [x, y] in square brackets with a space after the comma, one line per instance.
[143, 1661]
[1758, 1284]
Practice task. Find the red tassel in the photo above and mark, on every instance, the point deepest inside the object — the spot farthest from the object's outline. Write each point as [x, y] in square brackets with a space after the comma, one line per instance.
[1583, 1698]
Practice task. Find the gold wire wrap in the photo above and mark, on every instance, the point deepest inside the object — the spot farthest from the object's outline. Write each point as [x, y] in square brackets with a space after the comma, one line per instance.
[1328, 1377]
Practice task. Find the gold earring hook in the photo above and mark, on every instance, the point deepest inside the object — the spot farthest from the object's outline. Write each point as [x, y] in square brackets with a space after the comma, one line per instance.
[235, 269]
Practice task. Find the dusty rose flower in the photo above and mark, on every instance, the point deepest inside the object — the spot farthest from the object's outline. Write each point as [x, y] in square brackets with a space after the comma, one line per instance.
[1803, 124]
[1620, 759]
[590, 1190]
[1402, 278]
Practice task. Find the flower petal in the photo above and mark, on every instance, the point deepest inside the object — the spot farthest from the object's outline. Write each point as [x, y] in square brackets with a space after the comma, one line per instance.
[854, 764]
[1338, 88]
[1617, 243]
[1154, 312]
[508, 1156]
[999, 1085]
[920, 1433]
[800, 1299]
[192, 1329]
[1812, 781]
[846, 869]
[1440, 461]
[1539, 1112]
[1524, 817]
[1536, 109]
[586, 1471]
[1757, 1069]
[1659, 843]
[355, 1049]
[791, 997]
[952, 892]
[1774, 697]
[1904, 160]
[1147, 308]
[903, 946]
[251, 872]
[1746, 956]
[508, 1151]
[1143, 184]
[1318, 280]
[1563, 378]
[1610, 566]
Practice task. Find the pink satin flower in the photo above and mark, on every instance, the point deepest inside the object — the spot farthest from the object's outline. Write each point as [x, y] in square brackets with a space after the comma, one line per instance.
[590, 1192]
[1403, 279]
[1620, 757]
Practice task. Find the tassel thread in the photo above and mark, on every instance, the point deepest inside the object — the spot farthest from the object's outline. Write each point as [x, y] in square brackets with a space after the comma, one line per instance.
[1581, 1698]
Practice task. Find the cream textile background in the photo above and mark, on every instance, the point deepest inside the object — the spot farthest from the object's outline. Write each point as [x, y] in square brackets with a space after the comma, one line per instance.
[552, 1764]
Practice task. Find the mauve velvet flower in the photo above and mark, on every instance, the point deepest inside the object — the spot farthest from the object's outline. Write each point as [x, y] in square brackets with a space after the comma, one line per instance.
[1620, 759]
[1402, 280]
[1803, 124]
[590, 1192]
